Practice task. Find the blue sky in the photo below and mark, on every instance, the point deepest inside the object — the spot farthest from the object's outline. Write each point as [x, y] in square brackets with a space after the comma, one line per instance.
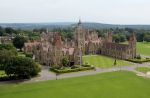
[102, 11]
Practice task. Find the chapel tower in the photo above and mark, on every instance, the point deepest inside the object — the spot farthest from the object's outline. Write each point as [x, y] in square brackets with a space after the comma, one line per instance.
[80, 43]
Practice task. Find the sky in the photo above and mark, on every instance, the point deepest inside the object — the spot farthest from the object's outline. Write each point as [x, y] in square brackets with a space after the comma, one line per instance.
[100, 11]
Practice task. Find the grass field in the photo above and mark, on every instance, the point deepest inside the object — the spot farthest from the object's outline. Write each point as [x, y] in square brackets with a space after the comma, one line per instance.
[103, 61]
[143, 48]
[143, 69]
[108, 85]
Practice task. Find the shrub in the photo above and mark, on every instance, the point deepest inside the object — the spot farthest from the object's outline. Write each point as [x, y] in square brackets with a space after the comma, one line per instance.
[65, 61]
[115, 62]
[86, 65]
[139, 60]
[22, 67]
[138, 57]
[30, 55]
[73, 67]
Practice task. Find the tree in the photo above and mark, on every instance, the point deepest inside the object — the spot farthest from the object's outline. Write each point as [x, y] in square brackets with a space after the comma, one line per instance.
[147, 37]
[19, 42]
[9, 30]
[65, 61]
[116, 38]
[2, 31]
[122, 38]
[22, 67]
[140, 37]
[5, 56]
[6, 52]
[115, 62]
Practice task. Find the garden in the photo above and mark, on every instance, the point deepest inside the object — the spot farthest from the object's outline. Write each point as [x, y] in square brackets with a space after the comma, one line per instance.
[68, 67]
[72, 69]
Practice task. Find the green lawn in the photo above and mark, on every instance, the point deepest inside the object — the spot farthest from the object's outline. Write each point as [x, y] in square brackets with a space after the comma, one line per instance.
[143, 69]
[103, 61]
[143, 48]
[108, 85]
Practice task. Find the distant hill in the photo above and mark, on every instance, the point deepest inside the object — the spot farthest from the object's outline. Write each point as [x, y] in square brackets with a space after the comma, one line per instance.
[103, 26]
[30, 26]
[88, 25]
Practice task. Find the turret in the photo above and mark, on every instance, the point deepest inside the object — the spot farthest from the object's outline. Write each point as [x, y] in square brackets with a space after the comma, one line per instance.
[109, 37]
[132, 40]
[132, 44]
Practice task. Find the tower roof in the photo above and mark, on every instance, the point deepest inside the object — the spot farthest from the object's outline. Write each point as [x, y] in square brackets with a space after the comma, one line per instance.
[79, 23]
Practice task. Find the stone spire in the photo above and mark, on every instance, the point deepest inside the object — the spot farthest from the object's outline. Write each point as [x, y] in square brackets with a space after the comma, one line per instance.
[132, 40]
[132, 44]
[79, 23]
[109, 37]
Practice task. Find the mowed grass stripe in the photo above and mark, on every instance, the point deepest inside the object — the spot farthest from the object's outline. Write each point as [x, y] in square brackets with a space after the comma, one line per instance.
[115, 85]
[103, 61]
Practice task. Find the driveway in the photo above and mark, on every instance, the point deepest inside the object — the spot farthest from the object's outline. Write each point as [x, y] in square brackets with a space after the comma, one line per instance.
[45, 74]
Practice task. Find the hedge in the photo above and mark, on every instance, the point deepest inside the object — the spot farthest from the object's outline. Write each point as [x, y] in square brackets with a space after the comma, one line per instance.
[60, 71]
[138, 61]
[30, 55]
[7, 78]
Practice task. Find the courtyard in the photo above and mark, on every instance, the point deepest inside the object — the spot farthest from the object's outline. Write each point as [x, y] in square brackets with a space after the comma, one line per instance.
[104, 61]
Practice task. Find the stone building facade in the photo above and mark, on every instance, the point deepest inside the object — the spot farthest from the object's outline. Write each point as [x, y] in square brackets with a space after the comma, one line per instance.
[121, 51]
[51, 49]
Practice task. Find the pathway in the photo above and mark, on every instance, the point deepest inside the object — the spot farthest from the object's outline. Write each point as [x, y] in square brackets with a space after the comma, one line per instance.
[99, 70]
[47, 75]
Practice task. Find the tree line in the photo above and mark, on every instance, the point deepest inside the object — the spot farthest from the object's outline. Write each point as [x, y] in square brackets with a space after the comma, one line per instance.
[119, 34]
